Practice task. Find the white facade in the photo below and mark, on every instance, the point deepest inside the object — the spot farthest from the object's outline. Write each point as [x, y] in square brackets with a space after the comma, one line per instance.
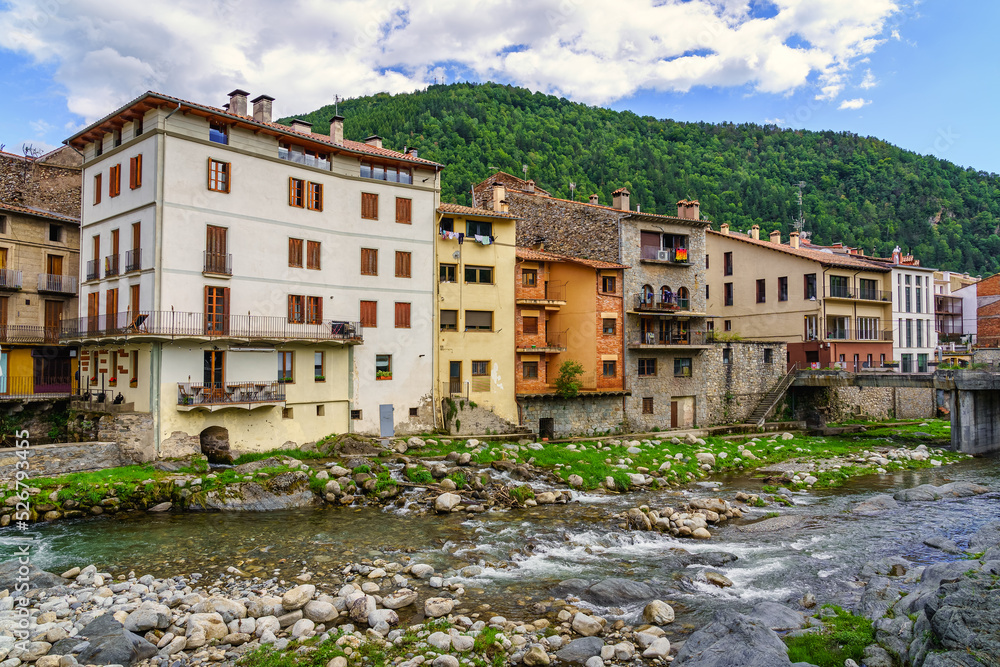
[914, 335]
[275, 300]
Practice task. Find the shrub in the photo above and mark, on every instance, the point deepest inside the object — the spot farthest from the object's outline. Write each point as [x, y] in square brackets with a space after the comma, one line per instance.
[567, 384]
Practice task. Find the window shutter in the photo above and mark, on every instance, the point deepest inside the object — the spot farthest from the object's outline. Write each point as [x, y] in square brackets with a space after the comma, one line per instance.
[291, 191]
[403, 210]
[402, 315]
[319, 309]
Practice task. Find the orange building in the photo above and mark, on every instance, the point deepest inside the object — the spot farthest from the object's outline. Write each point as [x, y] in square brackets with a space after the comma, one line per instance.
[568, 309]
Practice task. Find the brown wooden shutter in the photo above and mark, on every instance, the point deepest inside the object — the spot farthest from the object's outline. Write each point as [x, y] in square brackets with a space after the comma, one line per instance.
[313, 255]
[97, 188]
[135, 172]
[649, 239]
[369, 314]
[295, 252]
[369, 206]
[402, 316]
[403, 210]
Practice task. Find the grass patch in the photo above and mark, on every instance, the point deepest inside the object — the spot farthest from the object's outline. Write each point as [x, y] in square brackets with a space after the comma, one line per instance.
[844, 636]
[419, 475]
[521, 493]
[250, 457]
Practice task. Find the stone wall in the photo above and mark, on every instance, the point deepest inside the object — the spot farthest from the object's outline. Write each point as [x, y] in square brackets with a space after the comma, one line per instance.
[51, 182]
[62, 459]
[469, 420]
[836, 404]
[734, 389]
[133, 432]
[914, 403]
[579, 416]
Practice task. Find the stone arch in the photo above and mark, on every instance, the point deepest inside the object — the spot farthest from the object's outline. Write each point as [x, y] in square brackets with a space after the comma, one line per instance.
[682, 295]
[666, 296]
[215, 444]
[647, 294]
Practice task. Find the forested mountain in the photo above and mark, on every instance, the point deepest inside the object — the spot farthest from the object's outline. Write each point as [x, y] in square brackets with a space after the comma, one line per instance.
[858, 190]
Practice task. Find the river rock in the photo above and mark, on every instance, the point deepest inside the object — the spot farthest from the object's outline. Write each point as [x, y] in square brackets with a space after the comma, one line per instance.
[942, 543]
[202, 628]
[109, 643]
[878, 596]
[880, 503]
[777, 616]
[445, 661]
[579, 650]
[421, 571]
[401, 598]
[230, 610]
[175, 645]
[986, 537]
[536, 655]
[718, 579]
[303, 628]
[319, 612]
[575, 481]
[360, 607]
[446, 502]
[297, 597]
[733, 640]
[9, 575]
[288, 490]
[776, 523]
[267, 624]
[585, 625]
[266, 605]
[148, 616]
[387, 616]
[660, 648]
[658, 612]
[706, 458]
[616, 591]
[440, 640]
[923, 492]
[438, 607]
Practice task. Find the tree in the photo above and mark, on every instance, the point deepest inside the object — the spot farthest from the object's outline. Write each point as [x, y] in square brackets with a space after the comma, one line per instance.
[567, 384]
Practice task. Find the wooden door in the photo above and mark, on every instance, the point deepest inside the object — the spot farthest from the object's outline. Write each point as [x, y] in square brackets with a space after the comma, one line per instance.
[54, 265]
[133, 301]
[93, 301]
[53, 320]
[455, 377]
[216, 310]
[673, 414]
[215, 375]
[216, 249]
[111, 310]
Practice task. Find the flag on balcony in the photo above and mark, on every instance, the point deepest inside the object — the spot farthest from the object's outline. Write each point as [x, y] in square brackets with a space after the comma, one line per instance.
[681, 255]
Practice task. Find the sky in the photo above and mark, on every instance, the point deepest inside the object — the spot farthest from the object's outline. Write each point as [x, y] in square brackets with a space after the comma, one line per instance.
[916, 73]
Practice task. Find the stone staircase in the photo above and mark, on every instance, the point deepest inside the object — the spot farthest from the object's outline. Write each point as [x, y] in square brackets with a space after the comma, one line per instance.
[771, 399]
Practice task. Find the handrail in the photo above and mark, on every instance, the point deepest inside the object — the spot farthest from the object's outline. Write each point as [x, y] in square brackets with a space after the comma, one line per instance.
[779, 389]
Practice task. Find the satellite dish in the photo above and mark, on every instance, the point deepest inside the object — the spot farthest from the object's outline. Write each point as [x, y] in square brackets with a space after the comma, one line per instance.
[456, 254]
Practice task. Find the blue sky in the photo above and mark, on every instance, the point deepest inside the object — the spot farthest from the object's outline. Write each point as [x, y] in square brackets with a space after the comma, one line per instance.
[920, 75]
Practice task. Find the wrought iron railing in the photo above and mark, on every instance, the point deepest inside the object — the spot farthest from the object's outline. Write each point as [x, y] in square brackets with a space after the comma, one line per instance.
[29, 386]
[218, 263]
[28, 333]
[673, 255]
[93, 270]
[230, 393]
[133, 260]
[657, 302]
[178, 324]
[671, 338]
[10, 279]
[111, 265]
[48, 282]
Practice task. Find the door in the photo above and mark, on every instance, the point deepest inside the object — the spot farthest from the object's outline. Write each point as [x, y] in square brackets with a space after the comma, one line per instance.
[53, 320]
[385, 421]
[455, 377]
[216, 250]
[3, 372]
[673, 415]
[54, 269]
[216, 310]
[546, 428]
[215, 375]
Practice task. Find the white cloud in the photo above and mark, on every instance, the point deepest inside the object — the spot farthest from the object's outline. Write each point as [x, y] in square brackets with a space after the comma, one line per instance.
[869, 81]
[106, 52]
[854, 104]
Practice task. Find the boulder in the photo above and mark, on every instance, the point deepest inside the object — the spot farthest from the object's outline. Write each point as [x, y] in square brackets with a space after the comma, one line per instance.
[585, 625]
[660, 648]
[447, 501]
[39, 579]
[230, 610]
[615, 592]
[401, 598]
[319, 612]
[387, 616]
[296, 598]
[733, 640]
[438, 607]
[706, 458]
[777, 616]
[109, 643]
[202, 628]
[536, 655]
[658, 612]
[923, 492]
[579, 650]
[150, 615]
[879, 503]
[302, 628]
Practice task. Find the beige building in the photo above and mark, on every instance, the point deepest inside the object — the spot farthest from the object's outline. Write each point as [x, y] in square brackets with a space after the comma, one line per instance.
[833, 310]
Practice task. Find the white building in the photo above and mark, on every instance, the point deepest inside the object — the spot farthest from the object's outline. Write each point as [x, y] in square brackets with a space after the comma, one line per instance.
[914, 335]
[243, 275]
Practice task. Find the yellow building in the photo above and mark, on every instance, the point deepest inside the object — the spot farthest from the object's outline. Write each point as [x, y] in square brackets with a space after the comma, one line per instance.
[475, 254]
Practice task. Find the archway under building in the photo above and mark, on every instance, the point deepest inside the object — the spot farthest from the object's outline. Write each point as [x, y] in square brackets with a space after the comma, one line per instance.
[215, 444]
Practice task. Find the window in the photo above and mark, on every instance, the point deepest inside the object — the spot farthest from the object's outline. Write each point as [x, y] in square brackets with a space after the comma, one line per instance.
[478, 228]
[99, 147]
[838, 327]
[921, 363]
[369, 262]
[529, 370]
[383, 173]
[295, 252]
[402, 315]
[314, 310]
[868, 328]
[682, 367]
[116, 138]
[761, 290]
[610, 368]
[868, 289]
[314, 201]
[647, 405]
[3, 224]
[768, 355]
[355, 414]
[609, 325]
[920, 332]
[608, 284]
[287, 413]
[706, 292]
[402, 264]
[296, 192]
[783, 288]
[811, 327]
[135, 172]
[403, 207]
[647, 367]
[319, 366]
[529, 277]
[447, 225]
[296, 309]
[529, 325]
[383, 366]
[726, 355]
[137, 127]
[414, 412]
[369, 206]
[840, 286]
[218, 176]
[285, 365]
[480, 368]
[115, 181]
[447, 272]
[97, 188]
[218, 132]
[909, 333]
[706, 261]
[478, 320]
[55, 233]
[312, 255]
[809, 281]
[369, 314]
[449, 320]
[727, 264]
[479, 274]
[216, 255]
[728, 294]
[134, 299]
[727, 325]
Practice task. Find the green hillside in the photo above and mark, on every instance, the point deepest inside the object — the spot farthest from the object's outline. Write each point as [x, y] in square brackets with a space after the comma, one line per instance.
[859, 190]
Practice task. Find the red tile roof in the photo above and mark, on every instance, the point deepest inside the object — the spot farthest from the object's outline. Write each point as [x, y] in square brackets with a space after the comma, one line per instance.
[458, 209]
[825, 258]
[542, 256]
[15, 208]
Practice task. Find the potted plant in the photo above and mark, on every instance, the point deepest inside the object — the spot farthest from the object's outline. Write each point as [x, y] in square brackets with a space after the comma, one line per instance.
[284, 380]
[320, 378]
[186, 400]
[383, 375]
[133, 383]
[113, 382]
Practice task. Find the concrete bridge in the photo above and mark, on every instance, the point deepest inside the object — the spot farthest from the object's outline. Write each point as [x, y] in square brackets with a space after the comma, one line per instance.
[975, 399]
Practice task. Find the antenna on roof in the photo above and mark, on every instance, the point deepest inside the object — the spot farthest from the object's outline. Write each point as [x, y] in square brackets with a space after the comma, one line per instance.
[524, 168]
[800, 223]
[336, 104]
[572, 191]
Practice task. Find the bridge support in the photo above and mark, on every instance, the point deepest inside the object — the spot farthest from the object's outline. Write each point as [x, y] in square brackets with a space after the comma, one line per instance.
[975, 421]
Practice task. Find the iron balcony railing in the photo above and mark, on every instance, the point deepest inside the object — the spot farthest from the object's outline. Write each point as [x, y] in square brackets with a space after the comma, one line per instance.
[31, 386]
[10, 279]
[672, 338]
[93, 270]
[111, 265]
[218, 263]
[243, 392]
[28, 333]
[48, 282]
[673, 255]
[863, 293]
[177, 324]
[133, 260]
[947, 305]
[656, 302]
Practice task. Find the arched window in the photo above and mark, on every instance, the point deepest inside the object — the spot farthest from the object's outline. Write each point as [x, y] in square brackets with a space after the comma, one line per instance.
[647, 294]
[666, 296]
[682, 297]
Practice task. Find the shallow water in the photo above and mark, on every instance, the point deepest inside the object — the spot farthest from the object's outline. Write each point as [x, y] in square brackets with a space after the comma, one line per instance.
[526, 552]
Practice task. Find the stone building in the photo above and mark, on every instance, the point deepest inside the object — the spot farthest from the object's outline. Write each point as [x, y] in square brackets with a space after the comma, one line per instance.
[739, 374]
[49, 182]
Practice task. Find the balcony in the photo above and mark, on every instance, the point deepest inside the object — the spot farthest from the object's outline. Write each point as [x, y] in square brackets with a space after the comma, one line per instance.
[218, 264]
[655, 255]
[133, 260]
[111, 263]
[168, 325]
[48, 282]
[302, 158]
[863, 294]
[10, 279]
[947, 305]
[669, 339]
[28, 333]
[32, 387]
[859, 336]
[551, 298]
[93, 270]
[246, 395]
[653, 303]
[555, 342]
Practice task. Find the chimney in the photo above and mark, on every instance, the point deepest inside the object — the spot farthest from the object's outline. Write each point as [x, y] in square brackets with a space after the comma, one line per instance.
[412, 152]
[337, 129]
[694, 210]
[688, 210]
[776, 237]
[619, 199]
[682, 208]
[531, 187]
[755, 232]
[238, 102]
[793, 239]
[301, 126]
[594, 198]
[262, 108]
[724, 228]
[374, 140]
[499, 199]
